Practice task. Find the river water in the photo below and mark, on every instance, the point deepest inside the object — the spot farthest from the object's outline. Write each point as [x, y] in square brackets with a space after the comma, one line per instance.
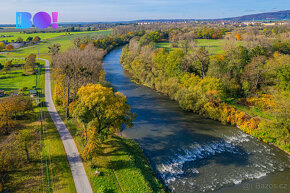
[193, 154]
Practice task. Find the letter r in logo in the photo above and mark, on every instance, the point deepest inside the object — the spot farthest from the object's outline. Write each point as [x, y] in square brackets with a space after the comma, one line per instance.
[23, 20]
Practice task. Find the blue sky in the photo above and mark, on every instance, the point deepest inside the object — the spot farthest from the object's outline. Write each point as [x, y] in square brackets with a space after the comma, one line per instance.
[123, 10]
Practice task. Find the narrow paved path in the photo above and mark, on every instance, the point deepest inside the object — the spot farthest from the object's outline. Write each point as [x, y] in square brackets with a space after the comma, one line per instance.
[79, 175]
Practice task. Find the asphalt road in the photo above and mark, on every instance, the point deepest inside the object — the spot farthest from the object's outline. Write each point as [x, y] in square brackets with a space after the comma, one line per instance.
[81, 180]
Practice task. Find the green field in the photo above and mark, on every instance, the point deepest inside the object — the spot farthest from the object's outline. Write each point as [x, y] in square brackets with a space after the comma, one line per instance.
[213, 46]
[14, 80]
[65, 41]
[43, 36]
[165, 45]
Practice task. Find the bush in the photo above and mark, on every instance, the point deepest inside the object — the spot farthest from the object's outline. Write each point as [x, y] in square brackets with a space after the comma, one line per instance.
[104, 190]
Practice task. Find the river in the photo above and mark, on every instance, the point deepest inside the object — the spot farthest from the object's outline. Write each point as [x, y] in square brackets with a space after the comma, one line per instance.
[192, 154]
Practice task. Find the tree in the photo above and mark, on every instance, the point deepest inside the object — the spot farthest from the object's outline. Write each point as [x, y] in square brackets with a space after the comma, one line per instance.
[198, 62]
[2, 45]
[7, 66]
[277, 71]
[78, 67]
[238, 37]
[214, 36]
[54, 49]
[186, 41]
[104, 111]
[253, 71]
[220, 35]
[29, 39]
[7, 110]
[30, 62]
[9, 47]
[25, 141]
[36, 39]
[19, 40]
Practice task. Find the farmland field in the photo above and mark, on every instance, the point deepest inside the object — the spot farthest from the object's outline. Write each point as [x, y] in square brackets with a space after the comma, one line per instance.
[213, 46]
[64, 40]
[43, 36]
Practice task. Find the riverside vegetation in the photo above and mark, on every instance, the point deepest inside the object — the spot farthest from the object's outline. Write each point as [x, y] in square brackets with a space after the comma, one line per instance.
[95, 114]
[246, 85]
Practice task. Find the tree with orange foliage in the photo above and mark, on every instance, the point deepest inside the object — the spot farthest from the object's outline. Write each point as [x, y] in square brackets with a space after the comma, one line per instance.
[9, 47]
[213, 36]
[83, 46]
[219, 34]
[238, 37]
[36, 39]
[9, 107]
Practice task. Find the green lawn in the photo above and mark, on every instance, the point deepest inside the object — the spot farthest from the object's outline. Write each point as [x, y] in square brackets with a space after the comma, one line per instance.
[165, 45]
[213, 46]
[65, 41]
[60, 176]
[43, 36]
[14, 80]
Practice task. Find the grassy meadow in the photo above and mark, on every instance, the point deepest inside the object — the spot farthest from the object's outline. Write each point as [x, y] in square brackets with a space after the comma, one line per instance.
[64, 40]
[43, 36]
[213, 46]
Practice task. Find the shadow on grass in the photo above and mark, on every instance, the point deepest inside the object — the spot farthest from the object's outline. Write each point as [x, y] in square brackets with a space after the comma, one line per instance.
[136, 160]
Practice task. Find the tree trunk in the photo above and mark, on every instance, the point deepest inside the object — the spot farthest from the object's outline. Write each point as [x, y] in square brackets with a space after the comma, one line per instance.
[67, 101]
[27, 154]
[86, 137]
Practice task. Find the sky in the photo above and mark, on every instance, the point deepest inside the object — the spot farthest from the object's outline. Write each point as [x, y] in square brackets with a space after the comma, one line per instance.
[127, 10]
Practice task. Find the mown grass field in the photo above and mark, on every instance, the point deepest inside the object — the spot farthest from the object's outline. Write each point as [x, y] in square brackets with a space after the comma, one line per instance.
[65, 41]
[43, 36]
[16, 79]
[213, 46]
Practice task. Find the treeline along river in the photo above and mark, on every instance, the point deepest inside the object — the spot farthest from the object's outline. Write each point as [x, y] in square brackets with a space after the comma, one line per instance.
[192, 154]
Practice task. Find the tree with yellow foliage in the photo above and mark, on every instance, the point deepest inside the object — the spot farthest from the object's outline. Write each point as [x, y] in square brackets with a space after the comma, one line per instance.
[2, 45]
[102, 112]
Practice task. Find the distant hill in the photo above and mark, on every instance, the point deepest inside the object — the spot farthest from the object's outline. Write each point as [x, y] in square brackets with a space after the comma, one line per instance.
[280, 15]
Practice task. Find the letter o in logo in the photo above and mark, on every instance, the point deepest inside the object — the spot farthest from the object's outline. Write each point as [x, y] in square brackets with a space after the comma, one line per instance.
[42, 20]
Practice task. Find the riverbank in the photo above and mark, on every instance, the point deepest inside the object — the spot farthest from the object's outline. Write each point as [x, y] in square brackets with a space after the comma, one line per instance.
[120, 166]
[205, 95]
[191, 153]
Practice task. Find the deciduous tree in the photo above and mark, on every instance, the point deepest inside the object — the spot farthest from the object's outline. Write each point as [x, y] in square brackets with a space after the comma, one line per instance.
[103, 111]
[9, 47]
